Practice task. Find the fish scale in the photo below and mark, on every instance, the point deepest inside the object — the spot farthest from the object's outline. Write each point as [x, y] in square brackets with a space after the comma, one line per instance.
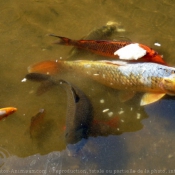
[143, 77]
[105, 47]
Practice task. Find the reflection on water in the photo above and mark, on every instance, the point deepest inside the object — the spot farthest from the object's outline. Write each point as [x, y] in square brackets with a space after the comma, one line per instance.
[133, 144]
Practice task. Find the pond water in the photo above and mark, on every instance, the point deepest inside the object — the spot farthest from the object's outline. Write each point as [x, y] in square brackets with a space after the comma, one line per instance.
[143, 140]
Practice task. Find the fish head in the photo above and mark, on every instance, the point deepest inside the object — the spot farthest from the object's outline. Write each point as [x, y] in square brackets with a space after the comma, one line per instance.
[9, 110]
[12, 110]
[168, 84]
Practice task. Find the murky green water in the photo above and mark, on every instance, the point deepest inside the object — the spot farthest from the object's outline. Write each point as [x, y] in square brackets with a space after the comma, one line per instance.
[144, 137]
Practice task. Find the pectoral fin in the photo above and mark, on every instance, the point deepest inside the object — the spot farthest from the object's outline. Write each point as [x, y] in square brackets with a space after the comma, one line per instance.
[151, 98]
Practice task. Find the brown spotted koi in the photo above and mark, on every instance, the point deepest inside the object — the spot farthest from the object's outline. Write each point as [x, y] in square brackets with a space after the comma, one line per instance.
[114, 49]
[154, 79]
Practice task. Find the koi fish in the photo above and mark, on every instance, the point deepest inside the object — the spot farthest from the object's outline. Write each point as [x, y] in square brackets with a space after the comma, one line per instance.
[36, 123]
[78, 118]
[115, 49]
[96, 34]
[97, 126]
[104, 31]
[154, 79]
[4, 112]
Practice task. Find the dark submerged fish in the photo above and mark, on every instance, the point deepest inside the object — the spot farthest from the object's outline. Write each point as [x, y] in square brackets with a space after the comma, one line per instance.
[78, 119]
[37, 77]
[36, 123]
[103, 32]
[79, 112]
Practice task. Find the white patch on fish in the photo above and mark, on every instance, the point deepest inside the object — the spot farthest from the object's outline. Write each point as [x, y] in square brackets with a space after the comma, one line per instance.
[146, 81]
[130, 52]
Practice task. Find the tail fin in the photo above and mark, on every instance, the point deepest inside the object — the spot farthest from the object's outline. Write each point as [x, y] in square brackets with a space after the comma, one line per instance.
[45, 67]
[62, 40]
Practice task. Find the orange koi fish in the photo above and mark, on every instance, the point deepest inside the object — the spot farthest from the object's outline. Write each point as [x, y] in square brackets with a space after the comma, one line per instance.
[112, 49]
[4, 112]
[154, 79]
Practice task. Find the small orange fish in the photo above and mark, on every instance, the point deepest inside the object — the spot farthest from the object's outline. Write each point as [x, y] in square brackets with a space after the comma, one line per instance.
[108, 48]
[4, 112]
